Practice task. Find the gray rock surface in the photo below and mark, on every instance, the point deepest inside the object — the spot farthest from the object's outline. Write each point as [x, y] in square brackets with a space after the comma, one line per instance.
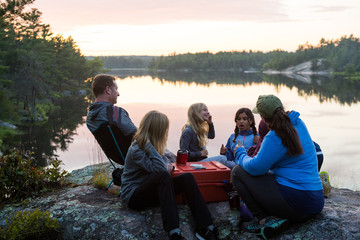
[85, 212]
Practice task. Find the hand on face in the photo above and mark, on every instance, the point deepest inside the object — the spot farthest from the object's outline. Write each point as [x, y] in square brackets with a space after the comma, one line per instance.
[209, 120]
[206, 115]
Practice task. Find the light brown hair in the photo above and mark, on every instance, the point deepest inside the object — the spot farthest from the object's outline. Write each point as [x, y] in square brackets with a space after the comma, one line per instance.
[198, 124]
[154, 127]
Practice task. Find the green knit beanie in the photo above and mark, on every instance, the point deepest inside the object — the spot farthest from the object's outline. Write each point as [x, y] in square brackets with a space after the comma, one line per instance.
[266, 105]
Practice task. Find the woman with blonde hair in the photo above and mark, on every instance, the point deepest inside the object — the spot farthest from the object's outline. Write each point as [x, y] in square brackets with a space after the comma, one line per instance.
[147, 181]
[196, 132]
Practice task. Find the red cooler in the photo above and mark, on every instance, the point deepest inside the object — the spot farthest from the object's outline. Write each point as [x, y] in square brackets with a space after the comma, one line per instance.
[213, 179]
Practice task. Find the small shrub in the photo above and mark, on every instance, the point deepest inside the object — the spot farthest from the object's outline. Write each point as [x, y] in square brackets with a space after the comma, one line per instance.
[55, 174]
[31, 225]
[20, 180]
[100, 178]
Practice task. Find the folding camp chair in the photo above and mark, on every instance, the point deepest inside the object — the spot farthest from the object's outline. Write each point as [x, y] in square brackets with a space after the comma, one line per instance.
[109, 137]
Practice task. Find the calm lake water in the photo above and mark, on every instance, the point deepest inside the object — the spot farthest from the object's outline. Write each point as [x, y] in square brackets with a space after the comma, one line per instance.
[329, 108]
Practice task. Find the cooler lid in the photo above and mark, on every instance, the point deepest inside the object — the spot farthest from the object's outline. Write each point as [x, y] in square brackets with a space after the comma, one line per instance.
[204, 171]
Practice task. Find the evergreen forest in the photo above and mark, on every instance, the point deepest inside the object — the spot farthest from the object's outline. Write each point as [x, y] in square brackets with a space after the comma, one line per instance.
[37, 69]
[115, 62]
[341, 55]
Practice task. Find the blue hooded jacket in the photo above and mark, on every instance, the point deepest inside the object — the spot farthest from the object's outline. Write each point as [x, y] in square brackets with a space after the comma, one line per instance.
[245, 138]
[298, 172]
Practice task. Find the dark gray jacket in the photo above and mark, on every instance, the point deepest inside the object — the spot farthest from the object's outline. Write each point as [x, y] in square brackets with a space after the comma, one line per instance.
[189, 141]
[139, 164]
[100, 112]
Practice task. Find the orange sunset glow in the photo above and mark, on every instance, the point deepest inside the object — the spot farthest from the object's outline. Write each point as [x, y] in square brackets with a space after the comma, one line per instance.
[162, 27]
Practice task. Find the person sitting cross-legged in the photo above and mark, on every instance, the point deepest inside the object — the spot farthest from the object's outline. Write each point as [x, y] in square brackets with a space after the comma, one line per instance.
[281, 183]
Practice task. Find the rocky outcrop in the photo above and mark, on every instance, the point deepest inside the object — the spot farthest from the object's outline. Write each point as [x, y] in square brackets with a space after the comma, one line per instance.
[85, 212]
[302, 72]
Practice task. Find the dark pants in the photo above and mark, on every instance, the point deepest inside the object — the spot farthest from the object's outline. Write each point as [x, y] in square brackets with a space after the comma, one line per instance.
[263, 197]
[161, 189]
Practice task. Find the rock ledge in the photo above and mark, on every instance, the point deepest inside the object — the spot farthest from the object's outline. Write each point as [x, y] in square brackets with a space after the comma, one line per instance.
[85, 212]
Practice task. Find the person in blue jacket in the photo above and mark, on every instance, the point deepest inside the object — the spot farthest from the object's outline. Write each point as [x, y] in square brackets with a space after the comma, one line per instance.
[281, 183]
[245, 133]
[263, 130]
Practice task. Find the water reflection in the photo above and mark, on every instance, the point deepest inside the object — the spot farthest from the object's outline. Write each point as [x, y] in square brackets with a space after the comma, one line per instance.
[330, 118]
[328, 105]
[45, 138]
[325, 87]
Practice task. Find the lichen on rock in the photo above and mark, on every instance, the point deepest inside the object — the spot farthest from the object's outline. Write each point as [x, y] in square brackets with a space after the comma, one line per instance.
[85, 212]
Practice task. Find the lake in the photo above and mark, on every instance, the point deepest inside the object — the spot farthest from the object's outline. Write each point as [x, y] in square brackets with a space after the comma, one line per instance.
[328, 105]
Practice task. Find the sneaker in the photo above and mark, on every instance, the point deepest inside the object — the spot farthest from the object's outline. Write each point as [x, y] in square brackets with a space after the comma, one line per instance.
[176, 236]
[273, 226]
[253, 226]
[206, 234]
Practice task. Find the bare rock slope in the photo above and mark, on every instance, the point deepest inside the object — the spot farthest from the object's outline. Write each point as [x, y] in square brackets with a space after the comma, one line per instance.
[85, 212]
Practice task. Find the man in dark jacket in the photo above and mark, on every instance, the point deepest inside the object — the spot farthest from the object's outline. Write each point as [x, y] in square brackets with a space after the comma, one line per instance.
[103, 109]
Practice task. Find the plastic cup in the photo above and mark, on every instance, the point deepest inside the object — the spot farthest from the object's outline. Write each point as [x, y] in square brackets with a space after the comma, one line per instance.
[181, 157]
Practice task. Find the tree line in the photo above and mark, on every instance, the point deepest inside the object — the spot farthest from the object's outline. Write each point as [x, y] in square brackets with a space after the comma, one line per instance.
[118, 62]
[36, 67]
[341, 55]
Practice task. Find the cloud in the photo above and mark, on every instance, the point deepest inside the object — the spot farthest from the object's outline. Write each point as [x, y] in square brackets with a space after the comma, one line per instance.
[330, 9]
[164, 26]
[144, 12]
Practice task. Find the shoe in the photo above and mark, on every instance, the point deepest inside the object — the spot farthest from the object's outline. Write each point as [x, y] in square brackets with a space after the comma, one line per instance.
[206, 234]
[273, 226]
[253, 226]
[176, 236]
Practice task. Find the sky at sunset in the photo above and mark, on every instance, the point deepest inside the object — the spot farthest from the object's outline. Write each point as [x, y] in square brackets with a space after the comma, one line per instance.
[161, 27]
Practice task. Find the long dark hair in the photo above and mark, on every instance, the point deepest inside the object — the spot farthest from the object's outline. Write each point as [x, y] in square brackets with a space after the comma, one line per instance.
[281, 124]
[251, 118]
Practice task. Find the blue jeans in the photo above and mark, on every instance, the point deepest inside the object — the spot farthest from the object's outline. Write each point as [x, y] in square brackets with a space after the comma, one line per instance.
[221, 159]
